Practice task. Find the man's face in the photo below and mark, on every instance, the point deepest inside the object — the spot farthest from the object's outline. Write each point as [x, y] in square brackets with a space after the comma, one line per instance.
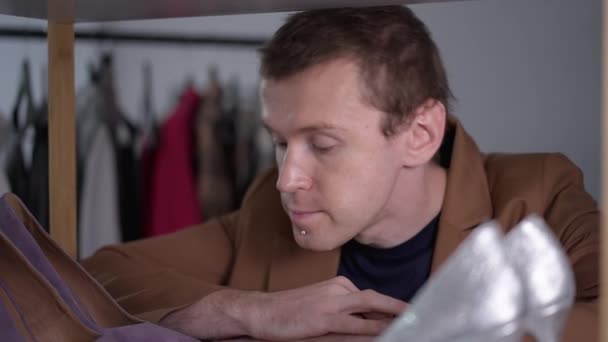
[337, 170]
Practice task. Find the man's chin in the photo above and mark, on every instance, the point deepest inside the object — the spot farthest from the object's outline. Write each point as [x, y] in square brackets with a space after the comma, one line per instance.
[312, 243]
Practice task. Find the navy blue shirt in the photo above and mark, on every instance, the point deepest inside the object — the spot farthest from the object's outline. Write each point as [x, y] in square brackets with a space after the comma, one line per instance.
[397, 271]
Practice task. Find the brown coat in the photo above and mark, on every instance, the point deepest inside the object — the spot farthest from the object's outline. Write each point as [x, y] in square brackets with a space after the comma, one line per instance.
[253, 248]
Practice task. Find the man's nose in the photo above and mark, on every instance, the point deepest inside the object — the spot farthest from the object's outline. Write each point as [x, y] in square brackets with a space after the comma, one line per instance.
[292, 174]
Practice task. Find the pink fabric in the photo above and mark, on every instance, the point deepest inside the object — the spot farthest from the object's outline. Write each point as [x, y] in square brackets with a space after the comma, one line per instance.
[173, 200]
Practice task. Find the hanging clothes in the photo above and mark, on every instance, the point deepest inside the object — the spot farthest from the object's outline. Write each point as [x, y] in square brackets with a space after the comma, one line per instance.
[99, 214]
[173, 199]
[147, 136]
[247, 158]
[28, 168]
[123, 139]
[100, 119]
[98, 218]
[6, 138]
[215, 142]
[27, 163]
[145, 147]
[4, 184]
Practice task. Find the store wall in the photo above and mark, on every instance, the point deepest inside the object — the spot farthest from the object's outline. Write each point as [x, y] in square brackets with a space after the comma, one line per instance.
[526, 73]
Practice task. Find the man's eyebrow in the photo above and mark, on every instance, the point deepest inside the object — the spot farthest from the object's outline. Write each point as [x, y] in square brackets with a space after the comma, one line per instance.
[267, 127]
[306, 129]
[318, 127]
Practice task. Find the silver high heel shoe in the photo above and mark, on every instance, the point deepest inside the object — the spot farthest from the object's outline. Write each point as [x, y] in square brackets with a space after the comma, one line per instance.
[546, 276]
[475, 297]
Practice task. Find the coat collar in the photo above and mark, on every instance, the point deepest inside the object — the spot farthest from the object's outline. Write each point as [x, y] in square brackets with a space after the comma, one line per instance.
[467, 203]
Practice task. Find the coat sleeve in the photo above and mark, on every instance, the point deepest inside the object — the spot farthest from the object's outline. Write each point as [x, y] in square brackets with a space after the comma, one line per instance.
[151, 278]
[574, 216]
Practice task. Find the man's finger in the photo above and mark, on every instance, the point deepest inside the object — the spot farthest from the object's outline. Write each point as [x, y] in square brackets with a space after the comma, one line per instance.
[377, 315]
[345, 282]
[371, 301]
[341, 338]
[347, 324]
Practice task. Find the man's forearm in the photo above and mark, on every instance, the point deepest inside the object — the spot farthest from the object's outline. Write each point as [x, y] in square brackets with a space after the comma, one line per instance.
[222, 314]
[297, 314]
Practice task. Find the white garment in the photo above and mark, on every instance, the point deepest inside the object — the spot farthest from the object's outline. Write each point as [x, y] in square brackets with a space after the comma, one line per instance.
[99, 222]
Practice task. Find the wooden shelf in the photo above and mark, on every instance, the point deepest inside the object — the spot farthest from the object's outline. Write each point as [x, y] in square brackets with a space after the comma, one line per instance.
[70, 11]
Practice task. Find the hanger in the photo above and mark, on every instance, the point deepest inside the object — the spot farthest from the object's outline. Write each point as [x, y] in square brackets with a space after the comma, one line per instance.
[93, 74]
[43, 109]
[213, 75]
[111, 112]
[149, 122]
[147, 96]
[24, 93]
[232, 99]
[213, 91]
[106, 86]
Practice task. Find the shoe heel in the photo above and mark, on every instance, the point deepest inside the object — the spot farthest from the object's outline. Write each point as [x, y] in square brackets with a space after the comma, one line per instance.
[511, 332]
[547, 276]
[547, 328]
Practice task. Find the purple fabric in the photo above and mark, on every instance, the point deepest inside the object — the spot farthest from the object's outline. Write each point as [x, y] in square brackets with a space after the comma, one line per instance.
[143, 332]
[12, 228]
[8, 327]
[15, 231]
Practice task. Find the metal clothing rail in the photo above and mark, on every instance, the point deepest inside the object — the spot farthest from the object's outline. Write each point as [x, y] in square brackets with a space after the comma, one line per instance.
[145, 38]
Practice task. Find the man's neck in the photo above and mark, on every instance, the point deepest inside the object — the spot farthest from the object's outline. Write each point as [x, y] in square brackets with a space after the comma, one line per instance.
[416, 200]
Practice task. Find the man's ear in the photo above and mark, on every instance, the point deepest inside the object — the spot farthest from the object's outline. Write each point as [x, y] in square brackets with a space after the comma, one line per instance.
[423, 133]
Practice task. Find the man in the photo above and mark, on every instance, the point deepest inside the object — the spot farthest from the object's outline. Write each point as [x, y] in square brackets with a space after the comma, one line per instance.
[375, 186]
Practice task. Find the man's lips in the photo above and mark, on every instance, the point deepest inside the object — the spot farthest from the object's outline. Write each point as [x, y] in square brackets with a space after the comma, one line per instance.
[301, 214]
[302, 211]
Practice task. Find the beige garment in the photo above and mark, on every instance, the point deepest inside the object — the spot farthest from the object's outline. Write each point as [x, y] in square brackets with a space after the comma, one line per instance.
[214, 186]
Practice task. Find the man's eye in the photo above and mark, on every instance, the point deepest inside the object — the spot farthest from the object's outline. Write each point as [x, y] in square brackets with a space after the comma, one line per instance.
[322, 144]
[279, 143]
[321, 148]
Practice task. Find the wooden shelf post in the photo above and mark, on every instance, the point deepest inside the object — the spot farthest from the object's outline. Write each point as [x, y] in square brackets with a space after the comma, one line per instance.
[604, 181]
[62, 136]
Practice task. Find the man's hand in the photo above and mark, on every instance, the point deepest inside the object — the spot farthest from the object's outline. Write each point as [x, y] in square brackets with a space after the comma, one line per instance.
[319, 309]
[326, 338]
[335, 306]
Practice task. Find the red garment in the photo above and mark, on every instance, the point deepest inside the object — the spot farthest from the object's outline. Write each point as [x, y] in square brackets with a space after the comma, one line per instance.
[173, 199]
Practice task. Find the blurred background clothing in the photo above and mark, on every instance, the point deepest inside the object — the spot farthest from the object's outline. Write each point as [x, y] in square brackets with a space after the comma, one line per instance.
[140, 178]
[512, 96]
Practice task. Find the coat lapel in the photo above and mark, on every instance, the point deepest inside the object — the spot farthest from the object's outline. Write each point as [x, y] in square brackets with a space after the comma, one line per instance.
[467, 201]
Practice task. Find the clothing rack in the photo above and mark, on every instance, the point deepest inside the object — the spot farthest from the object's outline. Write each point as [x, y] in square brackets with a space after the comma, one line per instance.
[143, 38]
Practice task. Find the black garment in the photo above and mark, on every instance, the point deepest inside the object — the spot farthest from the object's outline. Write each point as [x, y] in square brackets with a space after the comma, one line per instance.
[126, 170]
[32, 185]
[398, 271]
[225, 132]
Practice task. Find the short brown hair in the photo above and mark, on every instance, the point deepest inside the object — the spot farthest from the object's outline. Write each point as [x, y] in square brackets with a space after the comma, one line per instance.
[399, 64]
